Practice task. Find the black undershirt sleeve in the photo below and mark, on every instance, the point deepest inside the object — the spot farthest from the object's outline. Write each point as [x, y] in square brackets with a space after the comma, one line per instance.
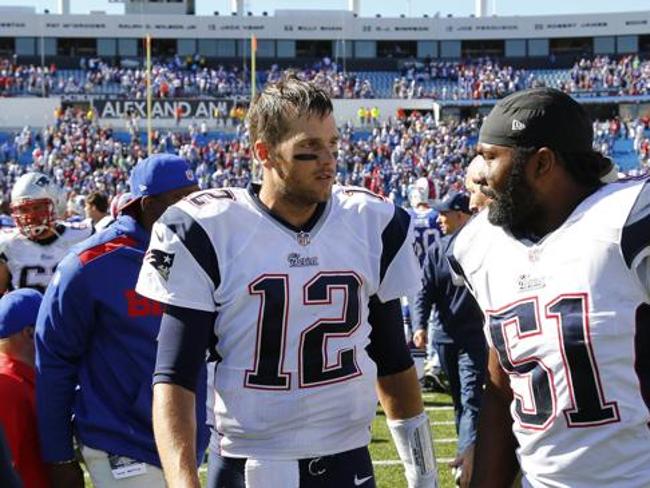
[184, 338]
[387, 346]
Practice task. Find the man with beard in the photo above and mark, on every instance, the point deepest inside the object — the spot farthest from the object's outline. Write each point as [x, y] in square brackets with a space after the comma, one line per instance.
[293, 287]
[560, 265]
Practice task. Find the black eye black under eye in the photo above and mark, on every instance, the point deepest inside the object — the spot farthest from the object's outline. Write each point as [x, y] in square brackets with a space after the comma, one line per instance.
[305, 157]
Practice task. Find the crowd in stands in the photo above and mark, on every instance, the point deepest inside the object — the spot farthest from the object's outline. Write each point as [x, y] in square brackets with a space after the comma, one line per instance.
[175, 78]
[25, 79]
[626, 76]
[607, 132]
[84, 156]
[168, 83]
[485, 78]
[327, 75]
[479, 79]
[398, 152]
[172, 79]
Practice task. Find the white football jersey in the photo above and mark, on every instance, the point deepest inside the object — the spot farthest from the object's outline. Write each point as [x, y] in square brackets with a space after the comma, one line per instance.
[294, 379]
[32, 264]
[569, 318]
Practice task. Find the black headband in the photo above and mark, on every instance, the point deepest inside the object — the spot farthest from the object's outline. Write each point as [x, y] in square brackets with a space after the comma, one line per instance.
[540, 117]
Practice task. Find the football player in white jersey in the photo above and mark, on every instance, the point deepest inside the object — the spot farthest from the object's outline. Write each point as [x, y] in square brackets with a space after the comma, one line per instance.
[30, 252]
[294, 288]
[560, 266]
[425, 224]
[426, 231]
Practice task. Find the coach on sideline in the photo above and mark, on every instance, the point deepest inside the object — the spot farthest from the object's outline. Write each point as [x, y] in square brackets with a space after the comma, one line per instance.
[94, 331]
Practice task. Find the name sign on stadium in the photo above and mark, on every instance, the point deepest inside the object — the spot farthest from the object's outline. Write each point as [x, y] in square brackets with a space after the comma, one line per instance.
[305, 24]
[164, 109]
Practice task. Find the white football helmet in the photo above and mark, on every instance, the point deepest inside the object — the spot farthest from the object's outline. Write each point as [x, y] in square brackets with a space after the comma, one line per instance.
[34, 201]
[419, 192]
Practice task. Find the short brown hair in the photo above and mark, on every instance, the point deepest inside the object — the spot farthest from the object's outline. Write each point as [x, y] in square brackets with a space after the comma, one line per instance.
[98, 200]
[279, 103]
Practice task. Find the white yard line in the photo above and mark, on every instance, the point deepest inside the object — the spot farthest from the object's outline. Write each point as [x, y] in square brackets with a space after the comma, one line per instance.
[434, 409]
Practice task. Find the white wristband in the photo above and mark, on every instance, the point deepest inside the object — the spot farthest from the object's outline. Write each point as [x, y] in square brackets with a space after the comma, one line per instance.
[414, 443]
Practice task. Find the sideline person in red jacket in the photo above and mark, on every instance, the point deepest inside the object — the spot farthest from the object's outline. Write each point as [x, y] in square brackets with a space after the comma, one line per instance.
[18, 311]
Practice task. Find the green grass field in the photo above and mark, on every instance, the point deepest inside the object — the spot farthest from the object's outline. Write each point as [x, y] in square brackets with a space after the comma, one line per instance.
[388, 469]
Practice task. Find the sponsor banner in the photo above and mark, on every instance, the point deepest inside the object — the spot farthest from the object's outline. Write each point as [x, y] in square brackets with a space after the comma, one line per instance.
[167, 109]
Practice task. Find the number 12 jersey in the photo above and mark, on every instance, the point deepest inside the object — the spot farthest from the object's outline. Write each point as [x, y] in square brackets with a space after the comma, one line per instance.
[294, 379]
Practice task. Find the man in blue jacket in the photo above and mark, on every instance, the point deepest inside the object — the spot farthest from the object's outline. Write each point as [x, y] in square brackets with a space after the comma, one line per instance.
[457, 335]
[96, 345]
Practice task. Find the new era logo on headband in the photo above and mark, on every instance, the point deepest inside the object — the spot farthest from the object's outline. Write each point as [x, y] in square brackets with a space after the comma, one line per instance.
[517, 125]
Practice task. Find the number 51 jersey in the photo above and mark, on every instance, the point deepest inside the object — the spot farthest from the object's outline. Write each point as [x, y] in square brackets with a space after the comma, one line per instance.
[294, 379]
[569, 318]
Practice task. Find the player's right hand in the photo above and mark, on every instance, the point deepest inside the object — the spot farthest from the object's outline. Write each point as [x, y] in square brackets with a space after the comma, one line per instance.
[68, 475]
[420, 338]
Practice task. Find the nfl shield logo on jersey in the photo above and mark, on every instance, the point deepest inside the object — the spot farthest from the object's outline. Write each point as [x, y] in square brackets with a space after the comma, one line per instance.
[303, 238]
[534, 254]
[161, 261]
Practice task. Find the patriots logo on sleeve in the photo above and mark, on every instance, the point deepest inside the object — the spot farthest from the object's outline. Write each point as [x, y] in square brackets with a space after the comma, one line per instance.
[162, 261]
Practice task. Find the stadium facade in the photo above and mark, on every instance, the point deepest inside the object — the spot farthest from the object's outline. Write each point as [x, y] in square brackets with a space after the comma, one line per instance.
[291, 36]
[300, 38]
